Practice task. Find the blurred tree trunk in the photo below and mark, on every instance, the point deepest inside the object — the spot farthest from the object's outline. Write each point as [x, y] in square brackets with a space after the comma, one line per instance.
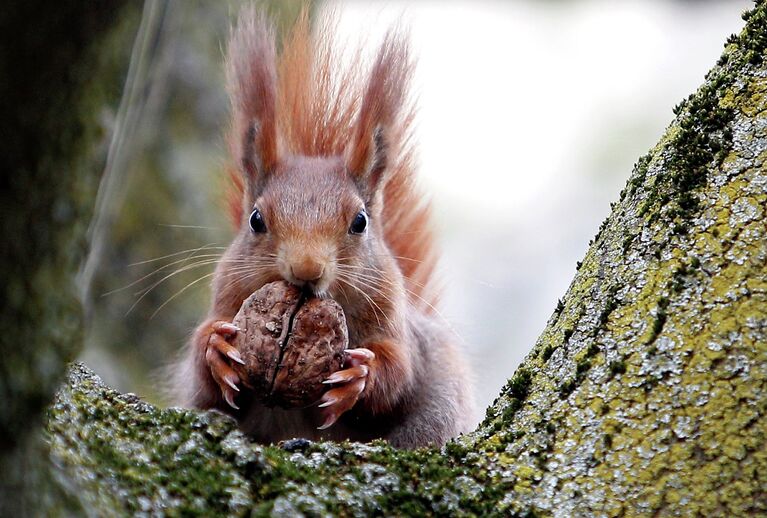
[645, 395]
[62, 65]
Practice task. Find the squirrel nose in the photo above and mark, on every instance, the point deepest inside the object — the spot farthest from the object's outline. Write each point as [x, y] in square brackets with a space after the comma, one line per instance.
[307, 270]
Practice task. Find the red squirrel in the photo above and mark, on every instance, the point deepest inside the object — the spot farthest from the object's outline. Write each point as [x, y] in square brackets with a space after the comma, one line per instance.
[325, 197]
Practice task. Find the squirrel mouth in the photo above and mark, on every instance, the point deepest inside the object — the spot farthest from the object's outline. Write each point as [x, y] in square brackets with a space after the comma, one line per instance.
[309, 289]
[319, 289]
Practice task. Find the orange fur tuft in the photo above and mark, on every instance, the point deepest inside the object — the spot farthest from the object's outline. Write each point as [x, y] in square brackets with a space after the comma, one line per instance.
[234, 191]
[251, 78]
[324, 106]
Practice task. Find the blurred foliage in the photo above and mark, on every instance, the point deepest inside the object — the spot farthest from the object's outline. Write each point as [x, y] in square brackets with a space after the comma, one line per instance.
[170, 199]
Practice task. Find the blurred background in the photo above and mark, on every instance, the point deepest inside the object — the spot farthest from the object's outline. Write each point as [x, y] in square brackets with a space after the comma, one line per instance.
[532, 114]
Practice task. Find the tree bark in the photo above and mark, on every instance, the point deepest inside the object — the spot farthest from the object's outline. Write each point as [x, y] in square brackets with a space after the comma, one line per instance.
[646, 394]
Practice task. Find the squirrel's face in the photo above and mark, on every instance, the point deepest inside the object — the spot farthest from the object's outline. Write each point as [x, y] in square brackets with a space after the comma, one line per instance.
[309, 222]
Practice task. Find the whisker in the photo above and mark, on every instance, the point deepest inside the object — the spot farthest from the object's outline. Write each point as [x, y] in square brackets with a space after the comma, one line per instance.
[410, 292]
[192, 250]
[378, 288]
[143, 293]
[372, 302]
[357, 269]
[182, 290]
[170, 225]
[383, 279]
[364, 295]
[250, 273]
[233, 271]
[398, 257]
[204, 259]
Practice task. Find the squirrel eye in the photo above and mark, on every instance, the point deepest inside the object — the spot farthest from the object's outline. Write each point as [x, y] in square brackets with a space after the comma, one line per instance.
[359, 224]
[256, 221]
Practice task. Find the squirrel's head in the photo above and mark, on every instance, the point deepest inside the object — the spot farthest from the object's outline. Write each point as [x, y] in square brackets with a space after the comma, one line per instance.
[312, 220]
[312, 144]
[315, 221]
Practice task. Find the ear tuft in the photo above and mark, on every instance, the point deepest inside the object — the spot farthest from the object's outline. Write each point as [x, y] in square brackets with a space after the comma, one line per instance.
[369, 176]
[379, 158]
[381, 108]
[252, 83]
[250, 161]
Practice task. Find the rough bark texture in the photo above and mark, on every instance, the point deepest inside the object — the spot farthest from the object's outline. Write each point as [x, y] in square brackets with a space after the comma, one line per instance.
[60, 66]
[645, 395]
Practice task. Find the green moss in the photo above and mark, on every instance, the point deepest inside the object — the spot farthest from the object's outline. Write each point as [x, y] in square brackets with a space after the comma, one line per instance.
[639, 174]
[519, 384]
[582, 367]
[704, 136]
[753, 40]
[547, 352]
[610, 304]
[627, 240]
[566, 388]
[617, 367]
[660, 319]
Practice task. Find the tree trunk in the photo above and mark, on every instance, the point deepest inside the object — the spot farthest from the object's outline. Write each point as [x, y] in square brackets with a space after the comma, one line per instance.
[645, 395]
[60, 66]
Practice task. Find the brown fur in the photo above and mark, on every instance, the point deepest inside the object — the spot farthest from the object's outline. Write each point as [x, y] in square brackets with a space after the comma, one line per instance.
[319, 111]
[314, 143]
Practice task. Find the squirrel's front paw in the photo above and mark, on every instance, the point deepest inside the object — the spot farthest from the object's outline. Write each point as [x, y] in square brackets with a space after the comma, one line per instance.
[218, 353]
[349, 384]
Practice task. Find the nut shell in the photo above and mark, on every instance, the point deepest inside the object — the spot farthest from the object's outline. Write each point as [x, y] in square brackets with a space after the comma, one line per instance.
[290, 343]
[314, 351]
[264, 319]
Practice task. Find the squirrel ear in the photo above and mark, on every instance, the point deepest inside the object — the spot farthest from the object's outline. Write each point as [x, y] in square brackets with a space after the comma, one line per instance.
[251, 76]
[368, 173]
[253, 159]
[376, 136]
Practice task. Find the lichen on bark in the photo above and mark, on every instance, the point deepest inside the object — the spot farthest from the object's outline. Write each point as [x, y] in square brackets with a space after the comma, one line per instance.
[646, 394]
[649, 394]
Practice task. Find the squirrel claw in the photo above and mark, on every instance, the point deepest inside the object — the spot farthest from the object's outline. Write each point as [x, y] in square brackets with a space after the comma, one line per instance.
[229, 398]
[225, 328]
[235, 356]
[347, 375]
[231, 384]
[327, 403]
[218, 352]
[329, 421]
[341, 399]
[350, 383]
[359, 356]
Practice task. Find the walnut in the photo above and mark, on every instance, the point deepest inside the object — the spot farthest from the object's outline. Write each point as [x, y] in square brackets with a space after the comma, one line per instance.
[290, 343]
